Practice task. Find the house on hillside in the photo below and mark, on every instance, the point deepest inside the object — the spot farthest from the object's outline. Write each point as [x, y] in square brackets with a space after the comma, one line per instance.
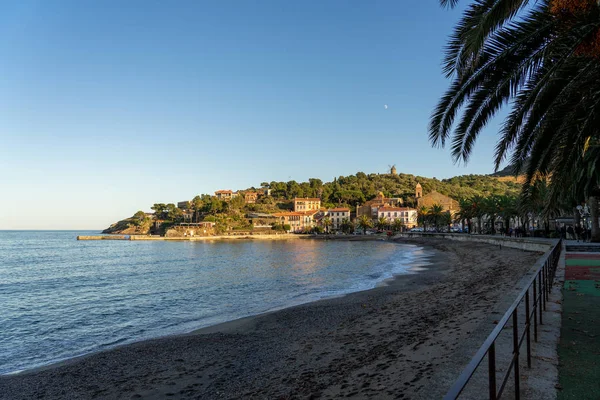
[250, 197]
[306, 204]
[183, 205]
[225, 195]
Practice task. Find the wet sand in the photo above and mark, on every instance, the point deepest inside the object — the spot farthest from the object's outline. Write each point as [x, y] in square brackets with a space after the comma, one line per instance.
[407, 340]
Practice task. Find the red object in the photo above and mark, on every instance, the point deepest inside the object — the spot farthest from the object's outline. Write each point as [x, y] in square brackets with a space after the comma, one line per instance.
[582, 273]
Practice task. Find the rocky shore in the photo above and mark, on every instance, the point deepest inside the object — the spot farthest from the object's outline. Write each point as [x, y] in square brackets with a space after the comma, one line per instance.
[406, 340]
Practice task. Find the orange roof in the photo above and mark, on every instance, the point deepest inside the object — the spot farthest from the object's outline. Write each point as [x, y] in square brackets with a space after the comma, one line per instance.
[306, 199]
[288, 214]
[340, 209]
[395, 209]
[310, 212]
[223, 191]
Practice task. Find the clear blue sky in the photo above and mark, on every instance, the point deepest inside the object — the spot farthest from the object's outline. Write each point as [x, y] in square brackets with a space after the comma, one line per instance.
[107, 107]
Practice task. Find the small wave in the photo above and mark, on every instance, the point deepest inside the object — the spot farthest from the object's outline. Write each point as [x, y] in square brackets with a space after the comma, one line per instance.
[113, 343]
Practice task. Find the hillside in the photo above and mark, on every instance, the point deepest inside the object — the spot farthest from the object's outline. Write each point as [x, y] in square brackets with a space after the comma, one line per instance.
[355, 189]
[348, 191]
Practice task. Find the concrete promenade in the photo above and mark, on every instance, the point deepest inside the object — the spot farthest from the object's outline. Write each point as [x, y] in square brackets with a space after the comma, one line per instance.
[579, 347]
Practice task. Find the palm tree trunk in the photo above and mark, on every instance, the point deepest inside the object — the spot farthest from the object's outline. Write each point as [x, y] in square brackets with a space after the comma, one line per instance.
[594, 211]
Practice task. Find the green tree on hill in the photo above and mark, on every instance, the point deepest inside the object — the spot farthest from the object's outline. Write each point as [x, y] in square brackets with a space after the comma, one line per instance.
[174, 214]
[197, 205]
[159, 210]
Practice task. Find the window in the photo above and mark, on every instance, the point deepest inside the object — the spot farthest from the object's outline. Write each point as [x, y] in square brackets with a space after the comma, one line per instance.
[395, 214]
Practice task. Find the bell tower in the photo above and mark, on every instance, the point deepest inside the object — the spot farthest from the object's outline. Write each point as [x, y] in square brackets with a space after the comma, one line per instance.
[418, 191]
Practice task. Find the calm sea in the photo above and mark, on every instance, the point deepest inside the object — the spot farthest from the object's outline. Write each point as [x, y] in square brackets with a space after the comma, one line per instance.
[61, 298]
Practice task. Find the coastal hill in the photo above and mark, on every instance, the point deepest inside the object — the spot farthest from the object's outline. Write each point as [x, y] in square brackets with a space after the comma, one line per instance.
[344, 191]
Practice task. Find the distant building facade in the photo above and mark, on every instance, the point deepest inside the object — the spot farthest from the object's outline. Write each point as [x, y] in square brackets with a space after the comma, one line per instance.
[250, 197]
[337, 216]
[370, 207]
[306, 204]
[294, 219]
[225, 195]
[407, 215]
[184, 205]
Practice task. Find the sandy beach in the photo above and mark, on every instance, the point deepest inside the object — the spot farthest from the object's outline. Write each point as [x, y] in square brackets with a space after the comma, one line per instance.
[407, 340]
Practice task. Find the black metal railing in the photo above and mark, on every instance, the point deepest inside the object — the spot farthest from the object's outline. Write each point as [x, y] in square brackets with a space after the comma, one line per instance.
[539, 286]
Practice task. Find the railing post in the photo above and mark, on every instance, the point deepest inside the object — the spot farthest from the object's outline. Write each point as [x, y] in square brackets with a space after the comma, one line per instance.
[535, 309]
[528, 327]
[549, 278]
[516, 356]
[541, 295]
[544, 283]
[492, 370]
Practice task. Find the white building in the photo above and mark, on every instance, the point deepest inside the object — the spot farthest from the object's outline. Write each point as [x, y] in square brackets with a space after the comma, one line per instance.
[337, 216]
[407, 215]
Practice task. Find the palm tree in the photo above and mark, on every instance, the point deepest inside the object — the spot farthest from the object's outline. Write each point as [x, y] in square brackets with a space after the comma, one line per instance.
[364, 222]
[491, 207]
[422, 217]
[479, 210]
[398, 225]
[435, 212]
[465, 213]
[326, 223]
[507, 209]
[347, 226]
[542, 60]
[382, 223]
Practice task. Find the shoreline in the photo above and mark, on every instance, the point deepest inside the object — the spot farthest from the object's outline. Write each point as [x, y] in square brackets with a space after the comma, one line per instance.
[277, 236]
[416, 266]
[305, 349]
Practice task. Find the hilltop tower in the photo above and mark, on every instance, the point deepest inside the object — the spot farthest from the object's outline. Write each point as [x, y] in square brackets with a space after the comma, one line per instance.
[418, 191]
[393, 170]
